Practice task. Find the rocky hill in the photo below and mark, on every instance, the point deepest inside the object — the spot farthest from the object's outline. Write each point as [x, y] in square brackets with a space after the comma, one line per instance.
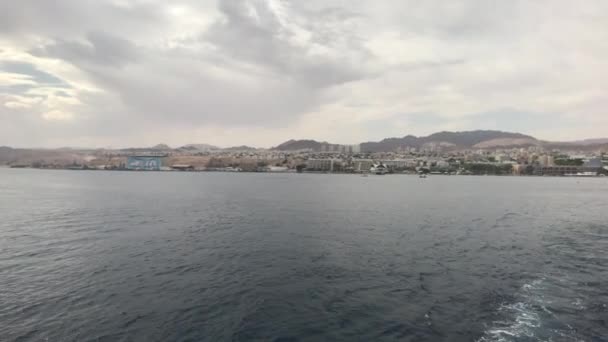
[453, 140]
[507, 142]
[241, 148]
[17, 156]
[479, 139]
[295, 145]
[198, 148]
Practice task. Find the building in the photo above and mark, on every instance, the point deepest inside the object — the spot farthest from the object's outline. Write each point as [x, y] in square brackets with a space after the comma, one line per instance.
[566, 170]
[277, 169]
[379, 169]
[354, 148]
[593, 163]
[144, 163]
[362, 165]
[442, 164]
[546, 160]
[399, 164]
[326, 165]
[519, 169]
[333, 148]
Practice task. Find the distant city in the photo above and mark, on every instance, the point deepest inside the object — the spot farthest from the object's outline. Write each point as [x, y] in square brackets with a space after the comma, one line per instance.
[444, 153]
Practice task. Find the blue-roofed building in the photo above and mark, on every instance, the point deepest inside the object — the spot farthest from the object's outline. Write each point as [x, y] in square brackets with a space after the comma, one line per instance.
[144, 163]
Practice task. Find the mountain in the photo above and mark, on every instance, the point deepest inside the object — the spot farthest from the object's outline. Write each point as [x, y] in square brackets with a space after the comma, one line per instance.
[295, 145]
[241, 148]
[583, 146]
[391, 144]
[198, 148]
[162, 147]
[447, 140]
[453, 140]
[507, 142]
[7, 154]
[586, 142]
[10, 156]
[471, 138]
[601, 141]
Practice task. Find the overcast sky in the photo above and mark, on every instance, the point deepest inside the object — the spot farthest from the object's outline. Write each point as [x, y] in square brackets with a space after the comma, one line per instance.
[258, 72]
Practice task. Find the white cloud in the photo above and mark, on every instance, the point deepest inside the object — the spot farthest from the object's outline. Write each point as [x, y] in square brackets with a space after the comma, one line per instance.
[20, 102]
[57, 115]
[12, 79]
[17, 105]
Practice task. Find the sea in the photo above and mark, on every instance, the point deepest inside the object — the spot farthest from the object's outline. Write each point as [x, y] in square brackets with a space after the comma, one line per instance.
[179, 256]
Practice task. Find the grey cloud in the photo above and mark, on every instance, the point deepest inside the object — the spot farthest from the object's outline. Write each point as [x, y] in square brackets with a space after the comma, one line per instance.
[68, 18]
[186, 95]
[260, 38]
[333, 13]
[454, 20]
[15, 89]
[100, 48]
[170, 87]
[430, 65]
[180, 88]
[62, 93]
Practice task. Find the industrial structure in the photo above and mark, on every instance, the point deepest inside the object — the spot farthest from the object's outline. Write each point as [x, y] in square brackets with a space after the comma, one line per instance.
[144, 162]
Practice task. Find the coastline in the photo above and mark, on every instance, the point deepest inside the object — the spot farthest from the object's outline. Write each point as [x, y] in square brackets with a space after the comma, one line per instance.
[361, 174]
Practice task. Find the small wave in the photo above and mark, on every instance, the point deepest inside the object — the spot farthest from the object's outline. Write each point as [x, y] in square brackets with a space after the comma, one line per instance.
[528, 318]
[524, 323]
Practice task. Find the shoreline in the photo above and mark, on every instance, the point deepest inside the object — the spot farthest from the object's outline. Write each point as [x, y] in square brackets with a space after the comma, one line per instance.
[361, 174]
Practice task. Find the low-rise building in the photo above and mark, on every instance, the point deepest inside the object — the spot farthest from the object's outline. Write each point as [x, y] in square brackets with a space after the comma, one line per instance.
[566, 170]
[326, 165]
[277, 169]
[362, 165]
[400, 163]
[144, 162]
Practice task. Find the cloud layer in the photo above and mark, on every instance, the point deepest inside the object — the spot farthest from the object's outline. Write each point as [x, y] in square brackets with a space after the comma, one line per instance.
[119, 73]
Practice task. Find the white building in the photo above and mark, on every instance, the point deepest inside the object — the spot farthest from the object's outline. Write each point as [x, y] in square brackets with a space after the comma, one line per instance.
[546, 160]
[399, 163]
[334, 148]
[278, 169]
[362, 165]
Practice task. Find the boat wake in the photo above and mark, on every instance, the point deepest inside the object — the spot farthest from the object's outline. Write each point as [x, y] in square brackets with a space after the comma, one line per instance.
[529, 318]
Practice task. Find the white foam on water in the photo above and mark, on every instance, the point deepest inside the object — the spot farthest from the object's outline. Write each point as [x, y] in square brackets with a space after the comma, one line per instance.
[524, 318]
[524, 324]
[578, 304]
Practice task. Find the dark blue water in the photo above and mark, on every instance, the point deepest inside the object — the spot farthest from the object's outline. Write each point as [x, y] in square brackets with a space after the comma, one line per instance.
[113, 256]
